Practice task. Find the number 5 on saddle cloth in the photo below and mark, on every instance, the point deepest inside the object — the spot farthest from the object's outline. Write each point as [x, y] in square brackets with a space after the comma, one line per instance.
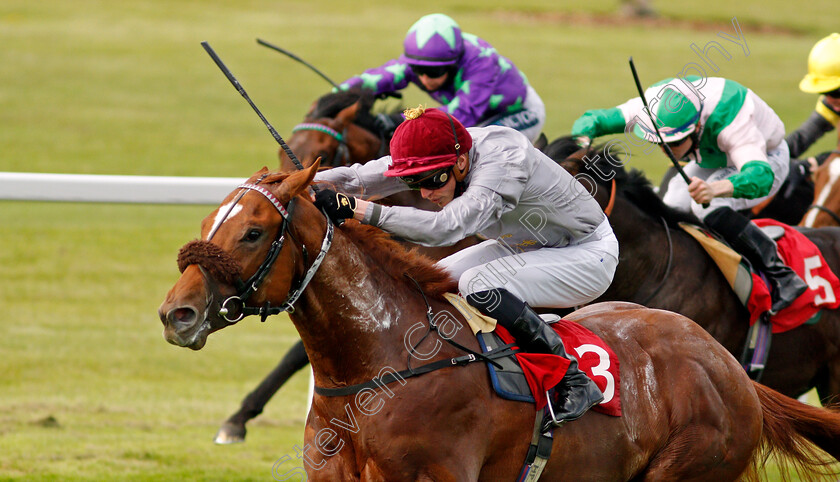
[752, 289]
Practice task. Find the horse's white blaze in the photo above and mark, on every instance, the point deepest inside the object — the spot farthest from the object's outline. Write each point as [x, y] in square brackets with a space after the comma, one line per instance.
[833, 174]
[221, 215]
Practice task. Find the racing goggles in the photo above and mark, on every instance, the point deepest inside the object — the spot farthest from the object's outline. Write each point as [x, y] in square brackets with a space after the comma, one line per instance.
[431, 71]
[428, 180]
[834, 94]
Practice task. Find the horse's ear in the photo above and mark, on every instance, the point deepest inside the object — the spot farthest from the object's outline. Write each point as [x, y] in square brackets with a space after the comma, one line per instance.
[297, 182]
[348, 114]
[258, 174]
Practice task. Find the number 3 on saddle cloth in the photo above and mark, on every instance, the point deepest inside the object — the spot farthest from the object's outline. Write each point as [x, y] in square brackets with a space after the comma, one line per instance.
[798, 252]
[532, 374]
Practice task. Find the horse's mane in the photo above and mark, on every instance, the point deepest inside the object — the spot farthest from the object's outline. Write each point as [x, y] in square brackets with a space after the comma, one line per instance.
[331, 104]
[632, 185]
[400, 262]
[387, 253]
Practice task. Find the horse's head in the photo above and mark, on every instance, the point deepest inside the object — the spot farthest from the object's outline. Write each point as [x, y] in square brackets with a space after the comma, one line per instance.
[247, 250]
[339, 129]
[588, 165]
[826, 207]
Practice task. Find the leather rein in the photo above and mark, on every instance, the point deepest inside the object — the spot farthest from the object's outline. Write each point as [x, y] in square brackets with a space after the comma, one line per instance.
[824, 209]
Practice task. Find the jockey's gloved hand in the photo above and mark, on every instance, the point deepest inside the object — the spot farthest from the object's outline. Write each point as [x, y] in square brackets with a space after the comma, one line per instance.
[338, 206]
[583, 142]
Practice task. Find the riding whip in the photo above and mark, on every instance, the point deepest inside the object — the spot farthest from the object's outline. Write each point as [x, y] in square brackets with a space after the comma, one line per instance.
[262, 42]
[295, 57]
[656, 128]
[244, 94]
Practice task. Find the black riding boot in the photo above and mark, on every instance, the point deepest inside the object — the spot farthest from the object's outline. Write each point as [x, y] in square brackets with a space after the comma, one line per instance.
[749, 240]
[576, 393]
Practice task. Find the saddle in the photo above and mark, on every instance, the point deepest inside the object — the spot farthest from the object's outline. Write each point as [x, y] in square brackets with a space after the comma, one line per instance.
[798, 252]
[526, 377]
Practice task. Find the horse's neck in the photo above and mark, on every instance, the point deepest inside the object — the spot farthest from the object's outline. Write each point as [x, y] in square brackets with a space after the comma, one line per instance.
[649, 246]
[676, 274]
[644, 249]
[350, 317]
[364, 145]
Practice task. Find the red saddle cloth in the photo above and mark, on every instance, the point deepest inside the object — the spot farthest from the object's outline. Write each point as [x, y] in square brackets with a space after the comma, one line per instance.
[803, 256]
[595, 358]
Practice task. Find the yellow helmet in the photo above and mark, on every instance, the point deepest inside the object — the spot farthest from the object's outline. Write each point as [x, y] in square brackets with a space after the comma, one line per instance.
[823, 66]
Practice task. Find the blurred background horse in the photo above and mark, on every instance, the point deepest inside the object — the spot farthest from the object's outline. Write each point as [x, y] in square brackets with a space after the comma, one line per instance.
[662, 266]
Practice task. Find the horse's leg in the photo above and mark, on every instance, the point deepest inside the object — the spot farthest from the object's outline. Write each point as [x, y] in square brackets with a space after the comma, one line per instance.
[233, 430]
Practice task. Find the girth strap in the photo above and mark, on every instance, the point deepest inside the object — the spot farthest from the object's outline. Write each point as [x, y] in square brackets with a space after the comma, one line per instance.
[391, 377]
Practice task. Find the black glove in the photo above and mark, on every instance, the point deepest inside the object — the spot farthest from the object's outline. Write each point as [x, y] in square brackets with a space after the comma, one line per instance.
[338, 206]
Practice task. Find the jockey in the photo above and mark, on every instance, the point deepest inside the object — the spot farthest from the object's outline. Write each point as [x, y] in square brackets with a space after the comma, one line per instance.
[464, 73]
[823, 78]
[737, 155]
[549, 243]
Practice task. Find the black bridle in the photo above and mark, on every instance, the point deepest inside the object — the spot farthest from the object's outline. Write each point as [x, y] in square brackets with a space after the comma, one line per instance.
[234, 309]
[824, 209]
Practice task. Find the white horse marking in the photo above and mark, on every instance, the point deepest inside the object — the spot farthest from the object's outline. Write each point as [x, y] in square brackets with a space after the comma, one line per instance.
[833, 174]
[220, 215]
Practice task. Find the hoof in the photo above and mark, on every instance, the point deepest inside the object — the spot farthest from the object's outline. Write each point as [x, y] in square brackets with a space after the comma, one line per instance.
[230, 434]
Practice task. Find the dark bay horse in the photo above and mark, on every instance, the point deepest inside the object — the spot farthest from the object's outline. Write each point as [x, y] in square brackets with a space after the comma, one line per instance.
[661, 266]
[340, 130]
[689, 411]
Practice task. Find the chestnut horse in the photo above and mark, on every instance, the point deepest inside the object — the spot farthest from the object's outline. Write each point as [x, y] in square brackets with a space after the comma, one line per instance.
[661, 266]
[340, 129]
[689, 411]
[825, 211]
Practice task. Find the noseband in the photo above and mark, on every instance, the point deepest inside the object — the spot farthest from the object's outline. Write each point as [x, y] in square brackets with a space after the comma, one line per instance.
[221, 265]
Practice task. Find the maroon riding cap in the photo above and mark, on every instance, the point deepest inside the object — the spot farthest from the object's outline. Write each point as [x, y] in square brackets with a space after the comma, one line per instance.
[428, 139]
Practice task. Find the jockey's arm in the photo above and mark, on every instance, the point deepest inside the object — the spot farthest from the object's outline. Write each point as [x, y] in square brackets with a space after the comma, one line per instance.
[389, 77]
[600, 122]
[823, 119]
[365, 181]
[753, 181]
[467, 214]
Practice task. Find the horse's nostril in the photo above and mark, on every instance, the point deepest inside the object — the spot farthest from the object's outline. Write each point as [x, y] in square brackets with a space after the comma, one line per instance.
[183, 315]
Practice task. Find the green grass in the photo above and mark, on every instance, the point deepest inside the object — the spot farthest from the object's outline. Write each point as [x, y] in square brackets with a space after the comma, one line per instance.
[89, 389]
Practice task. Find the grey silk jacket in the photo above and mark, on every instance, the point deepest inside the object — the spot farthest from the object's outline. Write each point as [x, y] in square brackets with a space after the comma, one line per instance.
[514, 193]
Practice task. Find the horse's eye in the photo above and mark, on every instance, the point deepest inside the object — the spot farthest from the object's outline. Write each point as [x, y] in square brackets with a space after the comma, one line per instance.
[253, 235]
